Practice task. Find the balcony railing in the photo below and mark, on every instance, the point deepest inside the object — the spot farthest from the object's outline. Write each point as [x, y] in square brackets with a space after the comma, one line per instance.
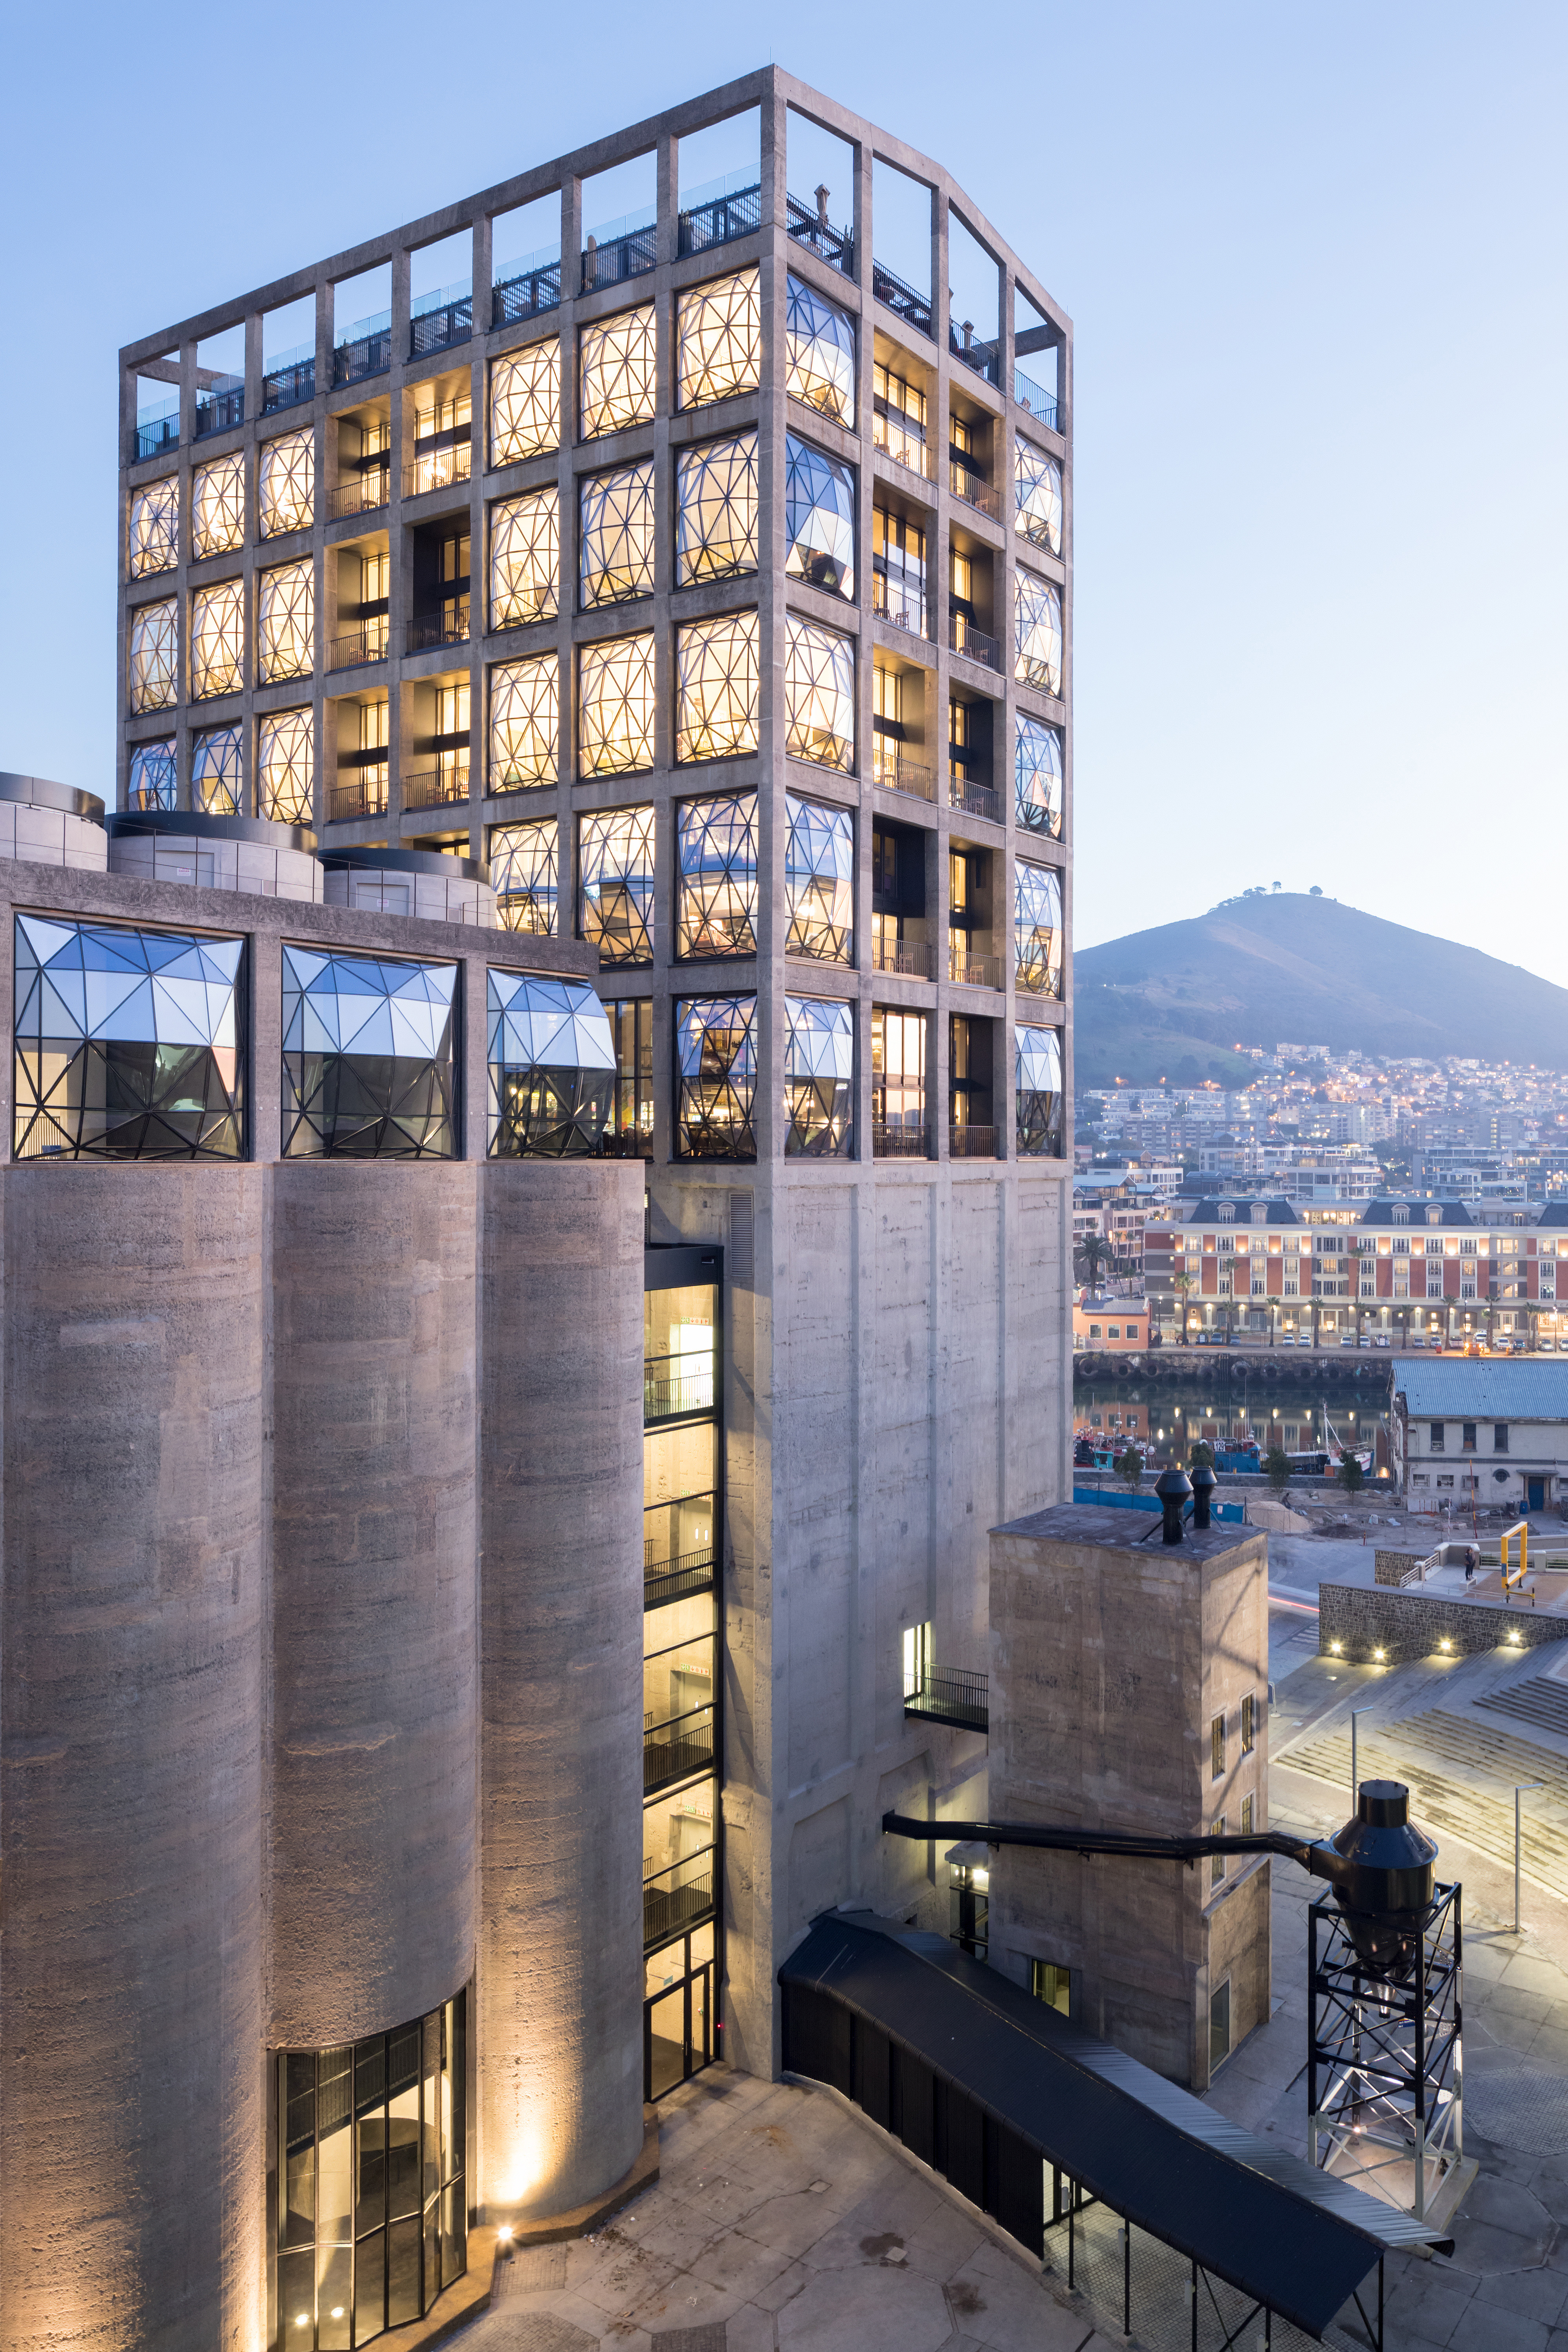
[973, 488]
[665, 1580]
[674, 1897]
[910, 959]
[901, 602]
[286, 386]
[362, 495]
[367, 643]
[1034, 397]
[973, 969]
[719, 219]
[970, 1141]
[367, 351]
[983, 358]
[438, 470]
[357, 795]
[912, 307]
[527, 292]
[221, 405]
[961, 1699]
[972, 643]
[811, 227]
[448, 628]
[892, 768]
[673, 1751]
[675, 1385]
[630, 254]
[974, 799]
[897, 438]
[448, 319]
[899, 1142]
[429, 788]
[154, 434]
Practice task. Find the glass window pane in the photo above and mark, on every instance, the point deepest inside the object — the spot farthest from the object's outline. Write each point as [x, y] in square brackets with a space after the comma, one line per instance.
[1036, 496]
[286, 483]
[334, 2294]
[296, 2299]
[819, 353]
[525, 722]
[1038, 928]
[618, 376]
[525, 559]
[819, 881]
[717, 688]
[286, 622]
[367, 1057]
[155, 527]
[716, 510]
[666, 2035]
[615, 707]
[716, 856]
[1037, 622]
[719, 339]
[820, 1078]
[217, 507]
[615, 885]
[370, 2286]
[716, 1064]
[217, 639]
[403, 2295]
[616, 540]
[551, 1063]
[153, 659]
[819, 693]
[525, 875]
[819, 519]
[403, 2181]
[525, 403]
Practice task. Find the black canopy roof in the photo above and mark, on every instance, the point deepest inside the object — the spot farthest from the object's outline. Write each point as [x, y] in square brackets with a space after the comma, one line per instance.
[1275, 2227]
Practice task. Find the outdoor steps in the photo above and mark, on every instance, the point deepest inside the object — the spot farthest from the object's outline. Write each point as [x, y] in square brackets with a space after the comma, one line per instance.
[1542, 1700]
[1441, 1757]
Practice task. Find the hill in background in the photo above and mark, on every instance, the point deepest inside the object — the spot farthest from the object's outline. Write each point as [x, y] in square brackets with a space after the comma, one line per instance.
[1170, 1002]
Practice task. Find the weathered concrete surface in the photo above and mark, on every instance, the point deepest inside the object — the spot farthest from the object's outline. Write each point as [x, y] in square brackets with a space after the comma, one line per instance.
[1110, 1658]
[375, 1574]
[560, 1975]
[130, 2073]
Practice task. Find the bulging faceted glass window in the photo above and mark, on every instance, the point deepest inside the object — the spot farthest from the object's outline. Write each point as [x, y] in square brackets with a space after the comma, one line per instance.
[615, 707]
[716, 510]
[717, 340]
[819, 353]
[217, 507]
[615, 544]
[155, 659]
[525, 877]
[217, 772]
[717, 685]
[285, 766]
[819, 519]
[552, 1068]
[618, 384]
[1038, 928]
[615, 883]
[819, 1079]
[525, 722]
[525, 559]
[716, 1077]
[152, 779]
[367, 1057]
[1036, 496]
[716, 880]
[286, 622]
[371, 2203]
[525, 403]
[1037, 622]
[127, 1043]
[819, 694]
[819, 881]
[154, 527]
[286, 483]
[1038, 1063]
[1038, 775]
[217, 639]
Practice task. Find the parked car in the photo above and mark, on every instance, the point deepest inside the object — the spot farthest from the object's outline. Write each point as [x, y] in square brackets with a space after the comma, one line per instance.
[1381, 1340]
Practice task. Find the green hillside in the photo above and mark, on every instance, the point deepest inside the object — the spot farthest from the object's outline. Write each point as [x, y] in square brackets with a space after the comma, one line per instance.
[1169, 1003]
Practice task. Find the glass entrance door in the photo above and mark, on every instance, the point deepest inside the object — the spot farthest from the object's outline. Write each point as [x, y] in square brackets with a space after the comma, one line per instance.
[677, 2012]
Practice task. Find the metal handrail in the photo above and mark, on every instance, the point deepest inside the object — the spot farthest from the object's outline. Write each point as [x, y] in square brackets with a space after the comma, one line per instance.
[956, 1696]
[899, 1142]
[153, 440]
[973, 970]
[666, 1908]
[218, 411]
[973, 488]
[369, 642]
[896, 774]
[666, 1398]
[429, 788]
[526, 296]
[631, 256]
[285, 387]
[909, 958]
[968, 1140]
[983, 358]
[971, 643]
[365, 797]
[363, 494]
[435, 629]
[808, 226]
[673, 1579]
[1035, 398]
[438, 470]
[721, 219]
[672, 1759]
[905, 301]
[436, 331]
[366, 355]
[974, 799]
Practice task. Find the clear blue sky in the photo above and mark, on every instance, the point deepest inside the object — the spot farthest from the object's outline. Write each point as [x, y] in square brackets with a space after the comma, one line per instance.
[1314, 256]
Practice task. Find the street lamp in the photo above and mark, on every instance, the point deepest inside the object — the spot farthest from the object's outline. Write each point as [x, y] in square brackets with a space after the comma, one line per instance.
[1518, 1792]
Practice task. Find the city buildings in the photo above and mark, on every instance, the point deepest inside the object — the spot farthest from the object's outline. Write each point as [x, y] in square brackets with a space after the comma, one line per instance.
[613, 700]
[1484, 1433]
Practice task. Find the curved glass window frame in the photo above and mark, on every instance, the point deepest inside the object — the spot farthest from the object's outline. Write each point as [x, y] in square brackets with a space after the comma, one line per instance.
[1037, 1089]
[819, 353]
[151, 781]
[1038, 928]
[1038, 775]
[820, 1078]
[286, 483]
[286, 765]
[715, 1076]
[152, 656]
[718, 339]
[525, 558]
[1038, 630]
[525, 723]
[525, 875]
[368, 1068]
[551, 1067]
[819, 880]
[218, 640]
[217, 507]
[819, 519]
[286, 622]
[716, 510]
[617, 378]
[154, 532]
[616, 878]
[717, 688]
[1036, 496]
[716, 877]
[616, 713]
[525, 403]
[217, 770]
[819, 694]
[614, 536]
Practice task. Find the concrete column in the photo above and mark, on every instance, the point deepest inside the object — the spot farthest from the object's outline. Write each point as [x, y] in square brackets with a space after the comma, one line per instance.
[131, 2023]
[560, 1973]
[374, 1680]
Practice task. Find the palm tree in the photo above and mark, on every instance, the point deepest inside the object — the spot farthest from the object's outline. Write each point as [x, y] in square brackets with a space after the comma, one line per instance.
[1093, 1251]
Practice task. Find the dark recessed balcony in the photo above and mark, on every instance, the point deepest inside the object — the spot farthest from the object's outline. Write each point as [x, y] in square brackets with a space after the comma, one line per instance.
[971, 968]
[441, 319]
[674, 1750]
[627, 248]
[220, 404]
[429, 788]
[368, 642]
[664, 1580]
[972, 487]
[366, 349]
[972, 643]
[908, 959]
[673, 1386]
[974, 798]
[983, 358]
[898, 598]
[447, 627]
[897, 436]
[437, 465]
[357, 794]
[719, 215]
[528, 289]
[676, 1897]
[290, 382]
[969, 1141]
[903, 1142]
[158, 433]
[896, 772]
[911, 307]
[961, 1699]
[1034, 397]
[812, 227]
[362, 494]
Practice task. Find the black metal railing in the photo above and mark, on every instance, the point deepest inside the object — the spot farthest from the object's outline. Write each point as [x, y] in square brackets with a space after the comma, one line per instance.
[892, 768]
[673, 1751]
[908, 959]
[285, 387]
[972, 643]
[367, 643]
[355, 796]
[527, 296]
[899, 1142]
[959, 1698]
[152, 440]
[666, 1393]
[665, 1580]
[975, 799]
[972, 968]
[448, 628]
[1035, 398]
[363, 494]
[912, 307]
[807, 226]
[967, 1139]
[983, 358]
[429, 788]
[217, 409]
[437, 467]
[721, 219]
[671, 1901]
[624, 257]
[366, 355]
[438, 330]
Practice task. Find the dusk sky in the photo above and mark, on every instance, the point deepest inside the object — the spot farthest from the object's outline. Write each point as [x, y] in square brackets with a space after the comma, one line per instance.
[1315, 259]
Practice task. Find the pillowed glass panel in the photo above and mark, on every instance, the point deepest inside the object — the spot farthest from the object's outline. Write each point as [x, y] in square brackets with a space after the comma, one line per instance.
[525, 875]
[217, 772]
[819, 693]
[525, 559]
[285, 766]
[552, 1068]
[1038, 775]
[525, 403]
[1038, 1060]
[615, 883]
[819, 519]
[615, 707]
[1036, 496]
[716, 510]
[151, 781]
[616, 540]
[153, 657]
[819, 881]
[716, 856]
[525, 722]
[367, 1059]
[154, 528]
[820, 1078]
[819, 353]
[1037, 621]
[719, 339]
[1038, 928]
[717, 688]
[286, 483]
[617, 373]
[286, 622]
[217, 507]
[717, 1073]
[217, 639]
